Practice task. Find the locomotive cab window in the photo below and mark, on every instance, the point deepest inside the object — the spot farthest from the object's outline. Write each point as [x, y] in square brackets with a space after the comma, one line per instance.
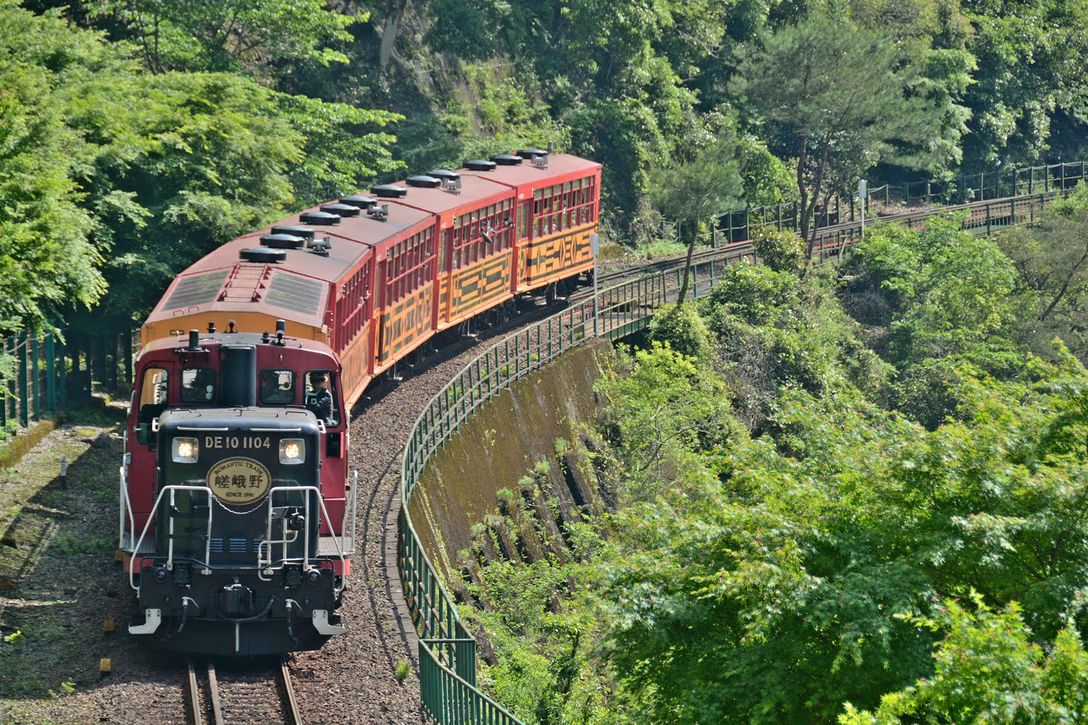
[277, 387]
[197, 385]
[321, 396]
[154, 395]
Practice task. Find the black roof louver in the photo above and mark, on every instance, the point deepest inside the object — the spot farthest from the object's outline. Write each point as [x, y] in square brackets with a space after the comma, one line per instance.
[444, 174]
[480, 165]
[359, 201]
[507, 159]
[295, 230]
[341, 209]
[320, 218]
[423, 181]
[263, 254]
[531, 153]
[389, 191]
[283, 241]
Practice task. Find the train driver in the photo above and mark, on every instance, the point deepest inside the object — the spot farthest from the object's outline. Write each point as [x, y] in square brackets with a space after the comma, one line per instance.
[319, 400]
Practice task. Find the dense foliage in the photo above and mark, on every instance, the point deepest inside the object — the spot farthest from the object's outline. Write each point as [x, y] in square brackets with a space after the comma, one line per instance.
[160, 129]
[116, 177]
[857, 494]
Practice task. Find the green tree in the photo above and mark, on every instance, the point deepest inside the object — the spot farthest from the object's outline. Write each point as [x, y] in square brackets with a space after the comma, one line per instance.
[47, 263]
[184, 162]
[692, 190]
[681, 328]
[838, 99]
[1030, 71]
[258, 36]
[1052, 261]
[988, 670]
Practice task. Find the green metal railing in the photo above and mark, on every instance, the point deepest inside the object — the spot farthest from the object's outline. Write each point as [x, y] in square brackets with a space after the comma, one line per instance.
[447, 652]
[43, 373]
[739, 224]
[37, 386]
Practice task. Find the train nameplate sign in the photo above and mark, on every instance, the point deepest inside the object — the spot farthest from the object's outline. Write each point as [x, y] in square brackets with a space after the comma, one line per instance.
[239, 481]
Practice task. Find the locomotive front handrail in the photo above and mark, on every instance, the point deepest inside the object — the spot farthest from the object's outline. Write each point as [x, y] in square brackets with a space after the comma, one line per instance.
[264, 566]
[172, 489]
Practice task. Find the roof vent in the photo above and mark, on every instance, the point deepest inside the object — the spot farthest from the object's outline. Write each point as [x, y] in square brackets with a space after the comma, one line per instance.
[378, 213]
[539, 162]
[424, 182]
[263, 254]
[443, 174]
[321, 246]
[341, 209]
[283, 241]
[320, 218]
[389, 191]
[359, 201]
[531, 153]
[480, 165]
[506, 159]
[295, 230]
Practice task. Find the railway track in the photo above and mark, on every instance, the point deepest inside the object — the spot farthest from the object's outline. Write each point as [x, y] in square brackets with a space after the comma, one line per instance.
[240, 694]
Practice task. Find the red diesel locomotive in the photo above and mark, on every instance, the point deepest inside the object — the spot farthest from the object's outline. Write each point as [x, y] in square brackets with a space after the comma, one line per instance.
[237, 511]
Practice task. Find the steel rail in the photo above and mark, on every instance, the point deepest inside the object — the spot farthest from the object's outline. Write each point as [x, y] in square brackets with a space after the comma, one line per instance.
[196, 714]
[294, 714]
[214, 699]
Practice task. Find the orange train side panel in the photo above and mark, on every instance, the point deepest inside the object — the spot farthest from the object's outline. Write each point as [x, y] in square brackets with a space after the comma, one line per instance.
[404, 327]
[355, 359]
[555, 257]
[470, 290]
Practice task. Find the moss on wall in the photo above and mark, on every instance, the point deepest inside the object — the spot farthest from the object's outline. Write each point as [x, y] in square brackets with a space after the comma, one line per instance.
[498, 445]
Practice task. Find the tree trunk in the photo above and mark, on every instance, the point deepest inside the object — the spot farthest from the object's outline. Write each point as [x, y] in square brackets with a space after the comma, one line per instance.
[687, 265]
[390, 28]
[1064, 288]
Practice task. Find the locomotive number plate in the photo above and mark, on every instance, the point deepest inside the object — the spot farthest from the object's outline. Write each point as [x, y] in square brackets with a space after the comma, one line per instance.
[239, 481]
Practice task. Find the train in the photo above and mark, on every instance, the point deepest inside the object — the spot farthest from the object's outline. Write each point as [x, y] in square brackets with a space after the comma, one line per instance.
[236, 521]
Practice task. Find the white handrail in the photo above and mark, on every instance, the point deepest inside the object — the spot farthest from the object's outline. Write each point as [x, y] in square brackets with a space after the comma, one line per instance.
[306, 544]
[154, 512]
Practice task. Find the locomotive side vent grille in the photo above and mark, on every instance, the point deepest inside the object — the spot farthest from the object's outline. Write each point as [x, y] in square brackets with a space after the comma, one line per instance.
[295, 293]
[216, 544]
[198, 289]
[238, 545]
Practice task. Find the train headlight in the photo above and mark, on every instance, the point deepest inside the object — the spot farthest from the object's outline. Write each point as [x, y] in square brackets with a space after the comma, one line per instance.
[186, 450]
[292, 451]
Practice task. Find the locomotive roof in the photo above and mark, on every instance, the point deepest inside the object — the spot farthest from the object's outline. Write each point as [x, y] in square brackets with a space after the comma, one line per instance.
[559, 165]
[222, 281]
